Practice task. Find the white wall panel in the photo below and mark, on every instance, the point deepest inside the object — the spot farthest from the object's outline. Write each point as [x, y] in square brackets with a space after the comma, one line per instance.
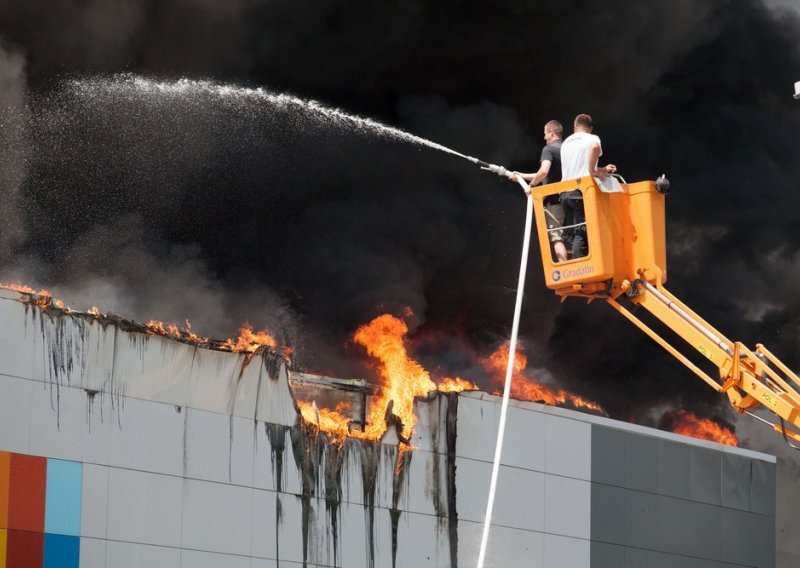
[133, 555]
[264, 524]
[524, 439]
[144, 507]
[519, 499]
[15, 412]
[289, 534]
[152, 367]
[567, 509]
[21, 341]
[430, 431]
[216, 517]
[59, 414]
[275, 403]
[97, 355]
[421, 541]
[242, 454]
[92, 553]
[247, 390]
[425, 490]
[352, 544]
[207, 445]
[196, 559]
[506, 547]
[568, 447]
[148, 436]
[478, 420]
[94, 502]
[566, 552]
[213, 380]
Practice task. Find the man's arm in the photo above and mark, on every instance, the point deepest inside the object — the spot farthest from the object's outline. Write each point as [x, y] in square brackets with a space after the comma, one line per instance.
[537, 177]
[594, 156]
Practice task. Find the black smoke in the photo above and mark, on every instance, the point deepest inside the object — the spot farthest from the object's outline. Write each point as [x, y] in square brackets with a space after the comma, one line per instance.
[220, 210]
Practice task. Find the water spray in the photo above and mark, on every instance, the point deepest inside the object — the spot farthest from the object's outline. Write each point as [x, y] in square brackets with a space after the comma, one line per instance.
[512, 350]
[132, 85]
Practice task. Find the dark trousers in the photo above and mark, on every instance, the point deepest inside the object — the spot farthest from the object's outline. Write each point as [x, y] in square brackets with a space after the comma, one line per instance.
[572, 202]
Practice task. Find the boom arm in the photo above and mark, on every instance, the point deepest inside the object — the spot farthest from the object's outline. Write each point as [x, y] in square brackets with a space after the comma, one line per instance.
[624, 227]
[748, 378]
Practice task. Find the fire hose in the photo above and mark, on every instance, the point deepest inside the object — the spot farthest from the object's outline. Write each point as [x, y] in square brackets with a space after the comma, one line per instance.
[512, 349]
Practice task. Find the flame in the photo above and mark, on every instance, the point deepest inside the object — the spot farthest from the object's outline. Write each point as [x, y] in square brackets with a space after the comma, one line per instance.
[94, 311]
[403, 378]
[455, 384]
[689, 424]
[249, 342]
[525, 388]
[42, 298]
[334, 422]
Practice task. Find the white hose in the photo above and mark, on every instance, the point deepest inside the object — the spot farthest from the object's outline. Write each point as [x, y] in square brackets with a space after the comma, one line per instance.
[512, 348]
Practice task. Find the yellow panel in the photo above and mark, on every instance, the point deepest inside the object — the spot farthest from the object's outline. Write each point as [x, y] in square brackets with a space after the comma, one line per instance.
[3, 539]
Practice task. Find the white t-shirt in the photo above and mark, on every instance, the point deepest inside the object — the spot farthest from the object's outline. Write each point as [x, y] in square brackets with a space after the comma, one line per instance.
[575, 155]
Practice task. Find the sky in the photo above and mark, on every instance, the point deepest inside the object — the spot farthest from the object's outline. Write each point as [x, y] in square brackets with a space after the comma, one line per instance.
[129, 182]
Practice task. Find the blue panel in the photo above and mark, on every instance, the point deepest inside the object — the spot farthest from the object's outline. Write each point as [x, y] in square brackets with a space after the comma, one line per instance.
[61, 551]
[63, 504]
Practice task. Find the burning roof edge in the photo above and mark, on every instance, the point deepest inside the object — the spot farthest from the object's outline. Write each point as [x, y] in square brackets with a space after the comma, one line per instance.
[163, 369]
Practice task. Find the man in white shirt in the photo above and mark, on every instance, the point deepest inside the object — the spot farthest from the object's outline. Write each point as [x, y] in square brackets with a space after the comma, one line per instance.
[580, 153]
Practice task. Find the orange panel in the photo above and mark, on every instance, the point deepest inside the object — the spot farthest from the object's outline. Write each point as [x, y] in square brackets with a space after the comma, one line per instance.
[5, 460]
[26, 493]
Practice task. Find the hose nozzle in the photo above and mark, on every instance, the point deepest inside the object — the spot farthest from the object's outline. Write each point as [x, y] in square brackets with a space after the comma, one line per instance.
[499, 170]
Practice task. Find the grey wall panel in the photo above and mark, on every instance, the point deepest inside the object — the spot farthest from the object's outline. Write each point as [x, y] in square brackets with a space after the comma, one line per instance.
[674, 469]
[747, 538]
[705, 475]
[605, 555]
[641, 462]
[608, 519]
[641, 558]
[674, 525]
[762, 487]
[641, 511]
[736, 479]
[608, 456]
[705, 522]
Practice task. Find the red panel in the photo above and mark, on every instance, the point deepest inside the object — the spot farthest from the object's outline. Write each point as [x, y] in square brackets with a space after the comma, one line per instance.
[26, 493]
[5, 461]
[25, 549]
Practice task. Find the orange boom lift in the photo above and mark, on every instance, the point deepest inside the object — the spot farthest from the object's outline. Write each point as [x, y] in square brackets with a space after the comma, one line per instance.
[627, 261]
